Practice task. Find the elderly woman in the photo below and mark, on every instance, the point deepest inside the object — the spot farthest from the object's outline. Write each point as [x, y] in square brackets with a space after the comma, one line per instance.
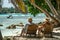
[46, 27]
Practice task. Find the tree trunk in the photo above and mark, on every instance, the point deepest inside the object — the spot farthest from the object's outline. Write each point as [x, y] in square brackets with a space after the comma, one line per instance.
[44, 11]
[53, 10]
[0, 35]
[19, 4]
[13, 2]
[51, 7]
[58, 3]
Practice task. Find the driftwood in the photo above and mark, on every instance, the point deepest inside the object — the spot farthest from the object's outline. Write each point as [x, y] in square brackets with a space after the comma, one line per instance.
[11, 27]
[1, 24]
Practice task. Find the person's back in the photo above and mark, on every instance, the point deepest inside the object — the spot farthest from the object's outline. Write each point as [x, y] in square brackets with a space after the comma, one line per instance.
[31, 26]
[48, 27]
[32, 29]
[25, 29]
[29, 23]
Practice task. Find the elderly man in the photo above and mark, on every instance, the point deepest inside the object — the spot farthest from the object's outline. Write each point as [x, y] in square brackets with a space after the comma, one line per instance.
[26, 26]
[29, 23]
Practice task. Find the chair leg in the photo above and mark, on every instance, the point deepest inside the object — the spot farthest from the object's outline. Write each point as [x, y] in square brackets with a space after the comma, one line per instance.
[51, 34]
[22, 33]
[26, 34]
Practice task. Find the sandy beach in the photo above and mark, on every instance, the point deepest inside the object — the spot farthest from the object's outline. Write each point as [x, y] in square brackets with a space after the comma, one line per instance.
[16, 20]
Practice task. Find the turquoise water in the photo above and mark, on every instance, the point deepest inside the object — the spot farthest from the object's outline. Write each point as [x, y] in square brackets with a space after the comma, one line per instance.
[17, 18]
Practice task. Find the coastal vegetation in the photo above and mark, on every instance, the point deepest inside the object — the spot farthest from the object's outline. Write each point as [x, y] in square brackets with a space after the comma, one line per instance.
[51, 8]
[9, 10]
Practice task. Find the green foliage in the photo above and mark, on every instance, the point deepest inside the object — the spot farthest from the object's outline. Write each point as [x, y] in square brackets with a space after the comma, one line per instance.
[34, 11]
[42, 4]
[31, 9]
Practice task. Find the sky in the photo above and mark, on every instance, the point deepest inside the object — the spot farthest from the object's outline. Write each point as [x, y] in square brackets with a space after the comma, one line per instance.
[7, 4]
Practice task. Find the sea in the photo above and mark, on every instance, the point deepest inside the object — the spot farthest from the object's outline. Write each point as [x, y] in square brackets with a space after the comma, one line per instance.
[17, 18]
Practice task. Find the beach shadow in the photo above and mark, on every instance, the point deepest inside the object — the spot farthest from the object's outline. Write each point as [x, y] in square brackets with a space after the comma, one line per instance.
[38, 38]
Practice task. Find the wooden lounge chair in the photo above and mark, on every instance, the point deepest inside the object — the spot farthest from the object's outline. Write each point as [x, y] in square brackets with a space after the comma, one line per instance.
[48, 29]
[32, 29]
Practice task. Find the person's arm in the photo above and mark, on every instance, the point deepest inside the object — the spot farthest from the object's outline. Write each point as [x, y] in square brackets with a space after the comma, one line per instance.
[24, 30]
[25, 27]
